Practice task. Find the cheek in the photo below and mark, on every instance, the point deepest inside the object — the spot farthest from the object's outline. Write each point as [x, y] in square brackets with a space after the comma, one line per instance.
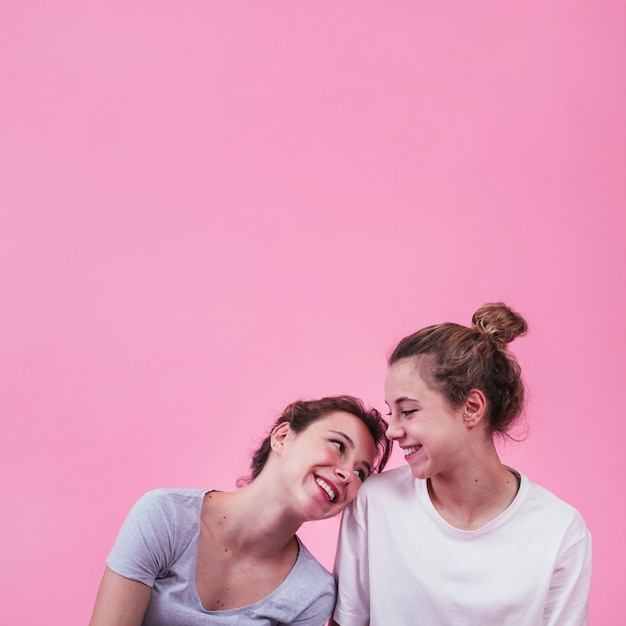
[353, 490]
[330, 456]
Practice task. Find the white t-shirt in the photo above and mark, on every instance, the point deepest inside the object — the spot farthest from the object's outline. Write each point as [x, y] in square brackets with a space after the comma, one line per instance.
[400, 563]
[158, 546]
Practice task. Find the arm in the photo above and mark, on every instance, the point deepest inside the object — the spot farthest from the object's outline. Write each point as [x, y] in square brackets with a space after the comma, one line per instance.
[138, 555]
[120, 601]
[352, 572]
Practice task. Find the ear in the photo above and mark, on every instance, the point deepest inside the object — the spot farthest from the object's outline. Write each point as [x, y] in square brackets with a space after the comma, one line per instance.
[474, 408]
[279, 436]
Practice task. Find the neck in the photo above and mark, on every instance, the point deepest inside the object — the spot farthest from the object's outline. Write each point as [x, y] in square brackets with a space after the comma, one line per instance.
[249, 522]
[475, 496]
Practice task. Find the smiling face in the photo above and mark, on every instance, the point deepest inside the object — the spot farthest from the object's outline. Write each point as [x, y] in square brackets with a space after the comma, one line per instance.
[429, 431]
[323, 466]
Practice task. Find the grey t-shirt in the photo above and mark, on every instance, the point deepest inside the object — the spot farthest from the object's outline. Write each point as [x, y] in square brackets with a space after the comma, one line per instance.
[158, 546]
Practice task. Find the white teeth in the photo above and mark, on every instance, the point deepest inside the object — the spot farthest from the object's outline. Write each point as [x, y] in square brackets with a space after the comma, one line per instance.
[326, 487]
[408, 451]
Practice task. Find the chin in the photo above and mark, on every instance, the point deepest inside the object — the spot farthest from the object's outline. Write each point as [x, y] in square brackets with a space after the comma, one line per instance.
[329, 514]
[314, 514]
[420, 473]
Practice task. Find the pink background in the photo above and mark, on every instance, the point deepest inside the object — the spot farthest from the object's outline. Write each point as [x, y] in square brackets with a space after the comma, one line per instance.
[209, 209]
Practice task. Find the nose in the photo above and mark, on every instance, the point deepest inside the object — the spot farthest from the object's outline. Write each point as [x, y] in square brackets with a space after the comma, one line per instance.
[393, 430]
[343, 473]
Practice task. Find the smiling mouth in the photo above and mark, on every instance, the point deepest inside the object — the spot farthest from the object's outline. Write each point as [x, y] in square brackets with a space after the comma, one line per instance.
[327, 488]
[411, 450]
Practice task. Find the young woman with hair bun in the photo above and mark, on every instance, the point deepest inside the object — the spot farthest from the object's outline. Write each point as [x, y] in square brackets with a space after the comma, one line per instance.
[456, 537]
[199, 557]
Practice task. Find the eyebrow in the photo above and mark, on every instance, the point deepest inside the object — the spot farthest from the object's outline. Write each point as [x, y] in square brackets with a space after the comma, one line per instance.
[402, 399]
[349, 440]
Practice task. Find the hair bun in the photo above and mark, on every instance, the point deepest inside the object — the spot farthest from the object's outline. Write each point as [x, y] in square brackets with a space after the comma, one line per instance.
[499, 322]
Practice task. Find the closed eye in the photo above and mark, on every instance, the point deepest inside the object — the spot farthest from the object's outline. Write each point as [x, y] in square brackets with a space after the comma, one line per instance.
[403, 413]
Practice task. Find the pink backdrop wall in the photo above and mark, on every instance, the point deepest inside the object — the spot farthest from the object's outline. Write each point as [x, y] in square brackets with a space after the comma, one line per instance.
[209, 209]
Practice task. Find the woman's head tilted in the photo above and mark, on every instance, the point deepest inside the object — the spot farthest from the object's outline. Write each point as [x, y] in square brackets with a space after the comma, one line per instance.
[317, 455]
[301, 414]
[455, 359]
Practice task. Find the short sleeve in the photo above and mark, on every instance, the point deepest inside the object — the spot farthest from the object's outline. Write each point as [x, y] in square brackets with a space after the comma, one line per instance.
[352, 572]
[144, 547]
[567, 601]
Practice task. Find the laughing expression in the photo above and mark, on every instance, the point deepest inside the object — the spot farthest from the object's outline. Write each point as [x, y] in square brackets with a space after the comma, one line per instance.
[427, 429]
[330, 459]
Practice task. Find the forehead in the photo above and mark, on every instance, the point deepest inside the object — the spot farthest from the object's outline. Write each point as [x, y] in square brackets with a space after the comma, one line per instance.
[404, 371]
[350, 425]
[404, 378]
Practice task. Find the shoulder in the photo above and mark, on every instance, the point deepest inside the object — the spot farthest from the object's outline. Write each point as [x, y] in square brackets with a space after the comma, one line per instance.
[553, 513]
[167, 513]
[157, 529]
[308, 594]
[309, 567]
[382, 494]
[170, 502]
[310, 579]
[397, 482]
